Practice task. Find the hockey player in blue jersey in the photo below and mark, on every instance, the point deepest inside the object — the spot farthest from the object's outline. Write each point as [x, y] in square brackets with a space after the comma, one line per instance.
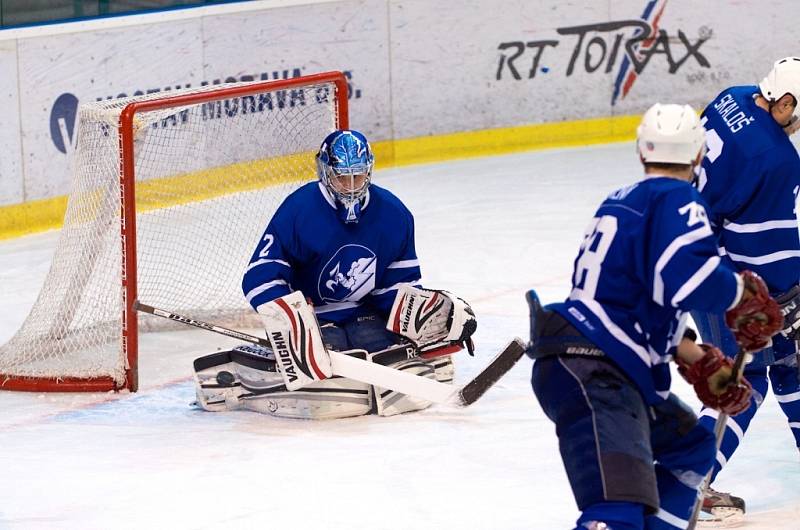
[348, 247]
[750, 179]
[634, 453]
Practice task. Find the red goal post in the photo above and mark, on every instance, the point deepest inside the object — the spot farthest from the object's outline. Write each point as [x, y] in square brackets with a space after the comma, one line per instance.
[189, 180]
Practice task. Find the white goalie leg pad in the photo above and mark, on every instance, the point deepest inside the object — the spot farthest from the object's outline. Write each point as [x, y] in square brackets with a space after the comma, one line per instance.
[211, 395]
[337, 397]
[224, 379]
[294, 334]
[426, 317]
[389, 403]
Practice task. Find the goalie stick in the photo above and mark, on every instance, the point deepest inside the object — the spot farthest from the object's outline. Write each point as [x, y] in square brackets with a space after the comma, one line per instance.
[719, 432]
[378, 375]
[393, 354]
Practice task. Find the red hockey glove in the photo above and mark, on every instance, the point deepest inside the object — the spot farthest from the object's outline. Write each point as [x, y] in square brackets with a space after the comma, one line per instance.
[711, 378]
[757, 317]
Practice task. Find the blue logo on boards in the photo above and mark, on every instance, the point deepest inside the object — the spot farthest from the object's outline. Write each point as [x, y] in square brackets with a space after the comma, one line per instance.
[348, 276]
[62, 121]
[64, 112]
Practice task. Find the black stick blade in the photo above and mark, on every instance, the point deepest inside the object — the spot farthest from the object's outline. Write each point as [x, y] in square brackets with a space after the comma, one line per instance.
[500, 365]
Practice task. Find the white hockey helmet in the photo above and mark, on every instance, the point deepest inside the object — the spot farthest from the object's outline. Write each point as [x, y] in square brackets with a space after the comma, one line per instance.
[670, 134]
[784, 78]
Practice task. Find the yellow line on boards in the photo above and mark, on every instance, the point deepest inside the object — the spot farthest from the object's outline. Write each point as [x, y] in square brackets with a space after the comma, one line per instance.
[47, 214]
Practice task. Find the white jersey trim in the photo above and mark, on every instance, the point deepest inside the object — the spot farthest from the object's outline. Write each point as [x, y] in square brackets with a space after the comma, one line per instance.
[327, 195]
[265, 261]
[394, 287]
[694, 282]
[332, 202]
[263, 287]
[672, 519]
[751, 228]
[739, 291]
[673, 248]
[766, 258]
[327, 308]
[729, 424]
[787, 398]
[615, 330]
[404, 264]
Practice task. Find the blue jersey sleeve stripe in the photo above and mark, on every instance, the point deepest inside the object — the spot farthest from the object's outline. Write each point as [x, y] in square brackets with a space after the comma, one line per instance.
[404, 264]
[766, 258]
[750, 228]
[263, 287]
[615, 330]
[672, 249]
[255, 264]
[696, 279]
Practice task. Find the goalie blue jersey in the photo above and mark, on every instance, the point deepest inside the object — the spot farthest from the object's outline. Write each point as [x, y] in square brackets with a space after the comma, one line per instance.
[648, 257]
[345, 269]
[750, 177]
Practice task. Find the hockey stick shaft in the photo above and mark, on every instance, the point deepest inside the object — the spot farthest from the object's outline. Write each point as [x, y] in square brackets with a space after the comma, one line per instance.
[719, 433]
[376, 374]
[385, 357]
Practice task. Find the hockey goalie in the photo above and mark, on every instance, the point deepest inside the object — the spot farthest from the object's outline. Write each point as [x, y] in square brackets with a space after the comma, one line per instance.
[336, 269]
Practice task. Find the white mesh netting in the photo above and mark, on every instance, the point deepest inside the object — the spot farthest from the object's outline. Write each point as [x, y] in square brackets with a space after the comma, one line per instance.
[208, 178]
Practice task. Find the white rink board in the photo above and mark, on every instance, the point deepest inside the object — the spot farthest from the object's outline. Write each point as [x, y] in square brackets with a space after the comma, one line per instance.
[10, 156]
[92, 66]
[348, 36]
[457, 82]
[416, 67]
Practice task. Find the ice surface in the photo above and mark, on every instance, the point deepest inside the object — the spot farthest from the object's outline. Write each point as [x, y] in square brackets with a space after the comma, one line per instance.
[487, 229]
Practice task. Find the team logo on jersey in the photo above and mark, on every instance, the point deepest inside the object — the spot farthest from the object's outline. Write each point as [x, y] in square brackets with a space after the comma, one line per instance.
[349, 275]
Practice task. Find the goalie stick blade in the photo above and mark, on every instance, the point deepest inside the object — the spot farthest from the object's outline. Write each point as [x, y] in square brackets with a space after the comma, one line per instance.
[500, 365]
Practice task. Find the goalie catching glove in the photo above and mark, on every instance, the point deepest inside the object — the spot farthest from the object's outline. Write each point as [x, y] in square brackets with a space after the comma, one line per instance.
[711, 377]
[757, 317]
[431, 318]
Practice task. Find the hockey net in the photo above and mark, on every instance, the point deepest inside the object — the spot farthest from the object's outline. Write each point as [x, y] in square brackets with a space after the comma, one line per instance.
[169, 197]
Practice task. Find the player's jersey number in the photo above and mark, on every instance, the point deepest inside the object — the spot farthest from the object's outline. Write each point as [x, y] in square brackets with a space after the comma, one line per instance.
[268, 240]
[593, 251]
[714, 146]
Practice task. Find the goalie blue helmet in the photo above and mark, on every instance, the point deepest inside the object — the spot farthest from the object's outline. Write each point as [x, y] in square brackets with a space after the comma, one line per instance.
[344, 166]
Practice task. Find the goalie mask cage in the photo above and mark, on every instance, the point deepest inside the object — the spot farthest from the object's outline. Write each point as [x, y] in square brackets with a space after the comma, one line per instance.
[169, 197]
